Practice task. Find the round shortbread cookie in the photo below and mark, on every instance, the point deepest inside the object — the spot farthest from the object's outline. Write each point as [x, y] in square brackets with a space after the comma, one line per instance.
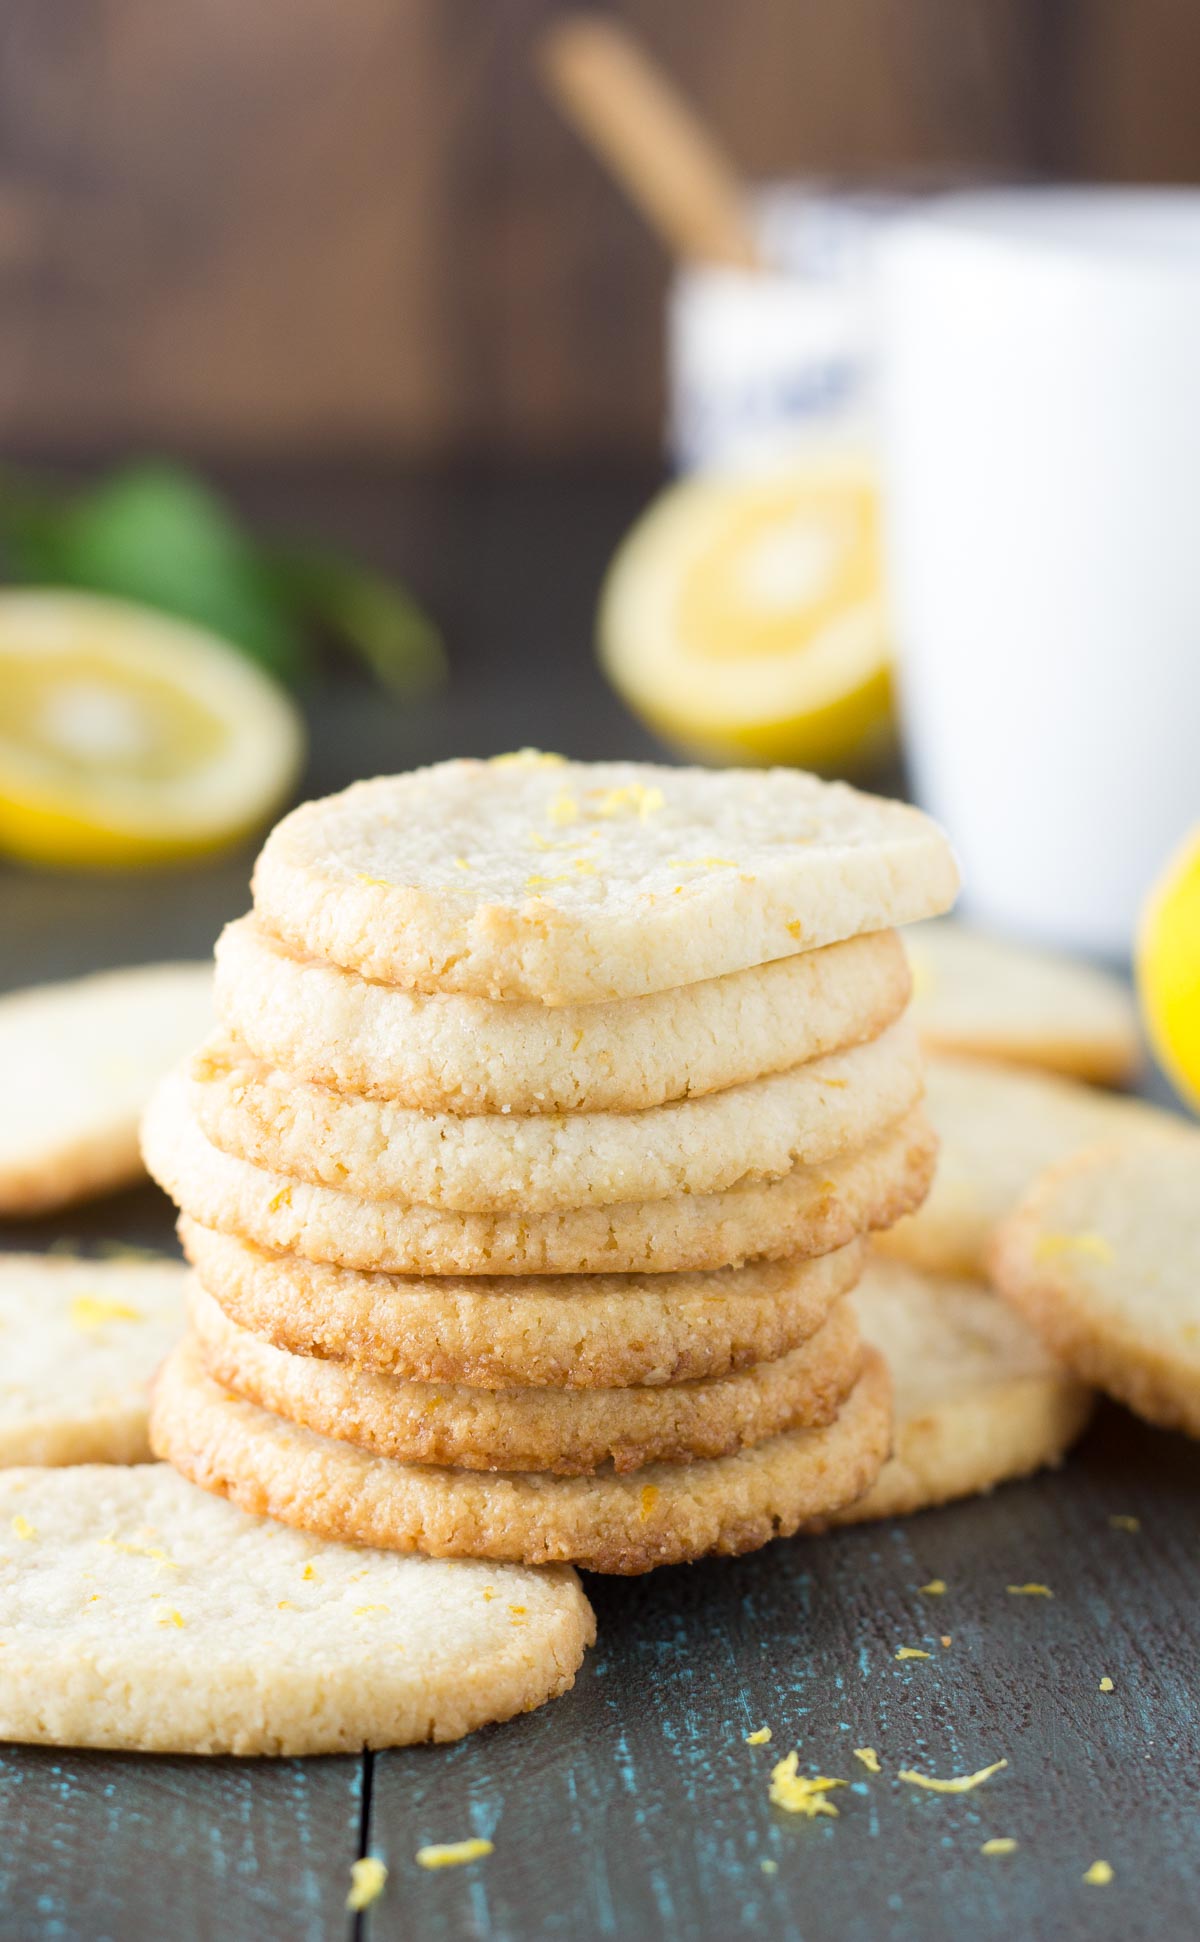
[79, 1342]
[138, 1613]
[567, 1431]
[443, 1053]
[80, 1060]
[1101, 1258]
[538, 1162]
[977, 1400]
[984, 995]
[998, 1129]
[667, 1513]
[811, 1210]
[574, 882]
[600, 1331]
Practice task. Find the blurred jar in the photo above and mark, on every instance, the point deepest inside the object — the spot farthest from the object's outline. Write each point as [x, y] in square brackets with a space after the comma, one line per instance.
[758, 361]
[1041, 421]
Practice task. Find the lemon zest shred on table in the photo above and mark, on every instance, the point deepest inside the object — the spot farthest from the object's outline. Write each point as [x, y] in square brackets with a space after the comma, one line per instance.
[1029, 1591]
[798, 1793]
[999, 1844]
[768, 1866]
[759, 1737]
[451, 1854]
[934, 1589]
[913, 1652]
[1106, 1684]
[961, 1784]
[1099, 1874]
[869, 1758]
[368, 1878]
[1119, 1522]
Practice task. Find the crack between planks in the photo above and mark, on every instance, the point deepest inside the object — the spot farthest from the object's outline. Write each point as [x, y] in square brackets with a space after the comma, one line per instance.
[358, 1923]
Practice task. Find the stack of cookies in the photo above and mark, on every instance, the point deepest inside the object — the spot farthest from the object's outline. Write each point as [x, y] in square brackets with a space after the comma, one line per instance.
[552, 1108]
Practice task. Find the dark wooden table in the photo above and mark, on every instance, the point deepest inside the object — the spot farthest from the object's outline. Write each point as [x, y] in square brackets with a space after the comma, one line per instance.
[633, 1808]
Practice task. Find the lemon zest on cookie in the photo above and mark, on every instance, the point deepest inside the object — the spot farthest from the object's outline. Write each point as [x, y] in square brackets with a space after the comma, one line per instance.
[797, 1793]
[368, 1877]
[451, 1854]
[528, 758]
[759, 1737]
[309, 1572]
[88, 1313]
[795, 929]
[282, 1199]
[460, 863]
[22, 1528]
[648, 1499]
[638, 798]
[869, 1758]
[170, 1618]
[962, 1784]
[999, 1844]
[563, 810]
[365, 1611]
[1048, 1247]
[1099, 1874]
[913, 1652]
[1029, 1591]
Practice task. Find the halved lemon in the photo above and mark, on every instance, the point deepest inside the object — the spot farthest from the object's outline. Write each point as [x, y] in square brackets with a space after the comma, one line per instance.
[743, 617]
[129, 738]
[1168, 968]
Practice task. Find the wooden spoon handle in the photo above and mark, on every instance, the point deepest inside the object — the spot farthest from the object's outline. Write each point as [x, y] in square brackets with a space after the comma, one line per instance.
[629, 112]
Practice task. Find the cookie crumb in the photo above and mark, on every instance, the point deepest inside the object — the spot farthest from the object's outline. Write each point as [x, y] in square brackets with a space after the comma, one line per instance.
[1106, 1684]
[452, 1854]
[367, 1880]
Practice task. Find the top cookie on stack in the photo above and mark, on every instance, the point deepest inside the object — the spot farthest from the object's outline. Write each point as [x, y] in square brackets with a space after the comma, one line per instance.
[568, 882]
[524, 1062]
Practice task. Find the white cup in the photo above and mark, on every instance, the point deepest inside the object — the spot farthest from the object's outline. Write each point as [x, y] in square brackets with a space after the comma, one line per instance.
[1041, 437]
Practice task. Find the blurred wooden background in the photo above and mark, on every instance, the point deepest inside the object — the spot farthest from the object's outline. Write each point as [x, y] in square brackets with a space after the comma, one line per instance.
[354, 224]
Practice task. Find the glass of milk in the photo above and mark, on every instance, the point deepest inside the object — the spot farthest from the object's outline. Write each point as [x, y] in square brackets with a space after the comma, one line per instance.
[1040, 423]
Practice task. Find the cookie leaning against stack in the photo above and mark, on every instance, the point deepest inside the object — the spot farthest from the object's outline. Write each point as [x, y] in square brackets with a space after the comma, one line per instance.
[551, 1107]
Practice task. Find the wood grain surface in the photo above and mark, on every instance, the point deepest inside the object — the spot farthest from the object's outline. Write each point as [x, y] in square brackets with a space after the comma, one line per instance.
[633, 1808]
[333, 223]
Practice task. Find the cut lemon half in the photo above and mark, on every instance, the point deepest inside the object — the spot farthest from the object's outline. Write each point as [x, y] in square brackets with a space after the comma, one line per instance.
[129, 738]
[1168, 968]
[743, 616]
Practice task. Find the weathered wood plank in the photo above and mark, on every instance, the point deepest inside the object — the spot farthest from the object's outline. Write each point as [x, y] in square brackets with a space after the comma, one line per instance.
[633, 1807]
[116, 1849]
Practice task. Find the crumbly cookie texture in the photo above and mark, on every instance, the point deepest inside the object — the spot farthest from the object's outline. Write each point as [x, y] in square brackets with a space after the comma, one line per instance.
[977, 1399]
[139, 1613]
[999, 1128]
[664, 1514]
[443, 1052]
[80, 1059]
[568, 882]
[1100, 1258]
[569, 1432]
[79, 1341]
[810, 1211]
[984, 995]
[538, 1162]
[563, 1331]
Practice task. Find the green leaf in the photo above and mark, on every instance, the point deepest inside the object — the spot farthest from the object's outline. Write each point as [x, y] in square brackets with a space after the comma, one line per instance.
[372, 614]
[154, 534]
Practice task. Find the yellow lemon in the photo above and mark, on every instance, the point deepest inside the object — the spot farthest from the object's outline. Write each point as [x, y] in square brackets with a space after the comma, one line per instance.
[743, 616]
[129, 738]
[1168, 967]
